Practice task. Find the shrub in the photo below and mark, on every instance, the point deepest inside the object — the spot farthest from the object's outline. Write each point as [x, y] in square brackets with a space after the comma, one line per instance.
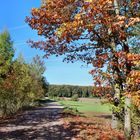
[75, 97]
[70, 111]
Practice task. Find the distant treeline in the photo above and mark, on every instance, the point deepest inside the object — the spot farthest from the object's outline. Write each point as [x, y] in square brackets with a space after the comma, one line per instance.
[69, 91]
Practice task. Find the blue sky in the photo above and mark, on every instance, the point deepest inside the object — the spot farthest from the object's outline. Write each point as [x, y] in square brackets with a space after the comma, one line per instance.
[12, 17]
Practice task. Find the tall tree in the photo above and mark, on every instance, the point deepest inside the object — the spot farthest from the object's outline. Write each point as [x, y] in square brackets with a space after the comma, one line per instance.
[37, 69]
[6, 55]
[97, 32]
[6, 52]
[15, 88]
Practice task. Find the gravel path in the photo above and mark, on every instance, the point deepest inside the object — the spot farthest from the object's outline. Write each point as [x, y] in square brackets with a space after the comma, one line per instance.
[43, 123]
[49, 123]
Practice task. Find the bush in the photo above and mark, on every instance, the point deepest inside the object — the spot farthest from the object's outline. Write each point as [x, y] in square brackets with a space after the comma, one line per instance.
[59, 98]
[70, 111]
[75, 97]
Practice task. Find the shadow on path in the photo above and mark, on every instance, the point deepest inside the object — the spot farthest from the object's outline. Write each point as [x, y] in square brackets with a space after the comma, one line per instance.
[42, 123]
[51, 123]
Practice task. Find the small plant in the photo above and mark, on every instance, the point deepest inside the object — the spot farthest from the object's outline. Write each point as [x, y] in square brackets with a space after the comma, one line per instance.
[71, 111]
[75, 97]
[59, 98]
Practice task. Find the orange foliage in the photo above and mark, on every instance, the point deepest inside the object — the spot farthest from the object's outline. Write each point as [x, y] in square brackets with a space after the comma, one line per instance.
[133, 79]
[92, 31]
[90, 128]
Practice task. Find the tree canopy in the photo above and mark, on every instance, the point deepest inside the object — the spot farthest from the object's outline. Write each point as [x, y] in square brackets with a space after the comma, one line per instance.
[97, 32]
[6, 52]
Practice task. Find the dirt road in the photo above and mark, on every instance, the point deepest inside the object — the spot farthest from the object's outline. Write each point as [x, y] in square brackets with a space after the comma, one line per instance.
[42, 123]
[49, 123]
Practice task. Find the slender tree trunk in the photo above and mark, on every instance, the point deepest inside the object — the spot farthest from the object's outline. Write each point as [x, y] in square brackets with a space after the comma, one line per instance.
[116, 6]
[114, 123]
[138, 131]
[127, 119]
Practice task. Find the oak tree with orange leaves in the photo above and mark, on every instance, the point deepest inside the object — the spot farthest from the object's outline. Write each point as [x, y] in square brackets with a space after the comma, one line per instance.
[98, 33]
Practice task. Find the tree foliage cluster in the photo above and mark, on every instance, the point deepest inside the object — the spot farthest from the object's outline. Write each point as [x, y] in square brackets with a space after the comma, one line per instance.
[20, 83]
[69, 91]
[97, 32]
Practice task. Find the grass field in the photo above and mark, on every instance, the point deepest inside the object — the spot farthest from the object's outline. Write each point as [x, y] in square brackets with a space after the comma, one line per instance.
[88, 106]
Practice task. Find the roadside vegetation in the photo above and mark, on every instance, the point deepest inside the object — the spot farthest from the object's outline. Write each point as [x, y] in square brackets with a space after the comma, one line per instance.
[21, 83]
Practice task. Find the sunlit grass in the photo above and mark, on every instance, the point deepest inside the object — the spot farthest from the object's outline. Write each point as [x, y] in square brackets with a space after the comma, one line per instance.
[88, 106]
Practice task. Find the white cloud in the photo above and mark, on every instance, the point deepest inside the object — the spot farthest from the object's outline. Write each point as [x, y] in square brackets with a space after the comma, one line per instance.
[19, 27]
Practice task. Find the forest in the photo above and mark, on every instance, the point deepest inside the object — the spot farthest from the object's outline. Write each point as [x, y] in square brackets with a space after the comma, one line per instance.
[81, 91]
[69, 91]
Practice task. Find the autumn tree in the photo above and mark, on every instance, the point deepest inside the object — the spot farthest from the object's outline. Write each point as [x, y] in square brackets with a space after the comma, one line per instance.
[21, 87]
[14, 88]
[96, 32]
[135, 111]
[6, 56]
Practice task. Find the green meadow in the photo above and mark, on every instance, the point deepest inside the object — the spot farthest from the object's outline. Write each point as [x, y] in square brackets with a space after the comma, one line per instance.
[85, 106]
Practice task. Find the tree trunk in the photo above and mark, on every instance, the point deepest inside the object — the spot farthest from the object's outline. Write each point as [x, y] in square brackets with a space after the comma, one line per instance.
[127, 118]
[114, 123]
[116, 6]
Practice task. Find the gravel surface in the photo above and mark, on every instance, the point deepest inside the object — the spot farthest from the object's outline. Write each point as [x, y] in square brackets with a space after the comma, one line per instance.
[43, 123]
